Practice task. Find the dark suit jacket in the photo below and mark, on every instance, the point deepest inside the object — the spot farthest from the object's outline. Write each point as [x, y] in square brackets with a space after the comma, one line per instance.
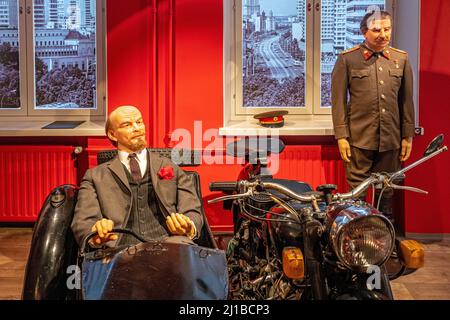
[106, 193]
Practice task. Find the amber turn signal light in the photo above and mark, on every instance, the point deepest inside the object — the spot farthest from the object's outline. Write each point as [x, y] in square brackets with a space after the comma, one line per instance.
[293, 263]
[413, 254]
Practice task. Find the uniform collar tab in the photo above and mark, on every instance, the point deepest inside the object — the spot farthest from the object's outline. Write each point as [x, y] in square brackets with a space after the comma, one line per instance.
[368, 53]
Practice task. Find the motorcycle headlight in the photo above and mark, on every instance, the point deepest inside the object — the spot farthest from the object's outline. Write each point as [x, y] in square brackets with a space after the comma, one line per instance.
[362, 241]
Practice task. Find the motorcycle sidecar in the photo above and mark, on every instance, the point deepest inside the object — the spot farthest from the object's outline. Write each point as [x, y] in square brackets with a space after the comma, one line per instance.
[58, 269]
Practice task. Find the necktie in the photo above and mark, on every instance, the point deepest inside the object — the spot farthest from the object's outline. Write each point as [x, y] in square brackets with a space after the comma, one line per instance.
[134, 167]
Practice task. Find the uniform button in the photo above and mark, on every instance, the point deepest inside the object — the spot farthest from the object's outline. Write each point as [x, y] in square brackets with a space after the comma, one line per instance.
[383, 96]
[383, 110]
[381, 82]
[380, 68]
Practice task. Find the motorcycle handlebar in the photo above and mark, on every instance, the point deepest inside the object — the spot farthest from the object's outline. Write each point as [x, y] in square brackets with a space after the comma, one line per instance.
[338, 196]
[363, 186]
[224, 186]
[377, 178]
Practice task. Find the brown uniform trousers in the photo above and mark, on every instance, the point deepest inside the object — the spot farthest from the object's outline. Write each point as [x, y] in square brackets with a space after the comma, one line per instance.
[364, 162]
[372, 107]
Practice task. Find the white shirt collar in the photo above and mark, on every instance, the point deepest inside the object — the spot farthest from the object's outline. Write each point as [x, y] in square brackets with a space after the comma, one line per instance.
[141, 156]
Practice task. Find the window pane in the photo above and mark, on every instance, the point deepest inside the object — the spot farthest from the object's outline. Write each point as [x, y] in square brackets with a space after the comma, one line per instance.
[65, 61]
[273, 53]
[9, 55]
[340, 31]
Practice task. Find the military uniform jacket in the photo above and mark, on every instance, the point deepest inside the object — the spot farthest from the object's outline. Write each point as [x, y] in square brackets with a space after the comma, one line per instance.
[372, 98]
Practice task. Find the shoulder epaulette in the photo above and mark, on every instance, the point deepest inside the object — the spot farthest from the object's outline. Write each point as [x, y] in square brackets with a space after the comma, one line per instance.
[398, 50]
[351, 49]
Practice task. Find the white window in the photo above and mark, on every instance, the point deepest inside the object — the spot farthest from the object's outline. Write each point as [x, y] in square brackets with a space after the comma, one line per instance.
[280, 55]
[43, 81]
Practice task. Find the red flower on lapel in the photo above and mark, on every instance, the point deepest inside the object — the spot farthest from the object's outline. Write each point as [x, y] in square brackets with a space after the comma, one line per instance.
[166, 173]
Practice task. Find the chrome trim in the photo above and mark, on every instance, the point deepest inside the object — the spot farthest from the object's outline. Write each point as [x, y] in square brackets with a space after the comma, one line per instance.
[355, 213]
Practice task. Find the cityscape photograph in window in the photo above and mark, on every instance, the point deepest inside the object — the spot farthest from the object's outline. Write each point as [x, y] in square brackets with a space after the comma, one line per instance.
[340, 30]
[273, 53]
[274, 47]
[9, 55]
[65, 60]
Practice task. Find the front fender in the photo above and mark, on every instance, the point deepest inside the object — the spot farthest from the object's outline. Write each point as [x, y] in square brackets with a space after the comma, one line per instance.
[53, 248]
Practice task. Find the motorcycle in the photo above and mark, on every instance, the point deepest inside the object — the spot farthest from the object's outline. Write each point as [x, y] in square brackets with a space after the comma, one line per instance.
[291, 242]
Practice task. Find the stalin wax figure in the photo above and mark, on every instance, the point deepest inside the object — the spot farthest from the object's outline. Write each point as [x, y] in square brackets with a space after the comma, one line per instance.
[372, 105]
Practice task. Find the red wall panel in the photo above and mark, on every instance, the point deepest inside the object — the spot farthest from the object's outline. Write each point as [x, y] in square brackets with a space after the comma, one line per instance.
[198, 61]
[129, 47]
[28, 174]
[429, 213]
[302, 163]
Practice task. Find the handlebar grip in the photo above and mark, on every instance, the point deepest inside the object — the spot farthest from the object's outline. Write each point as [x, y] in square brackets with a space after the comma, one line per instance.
[224, 186]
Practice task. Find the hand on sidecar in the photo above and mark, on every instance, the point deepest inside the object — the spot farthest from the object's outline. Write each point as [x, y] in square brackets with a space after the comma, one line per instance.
[103, 228]
[181, 225]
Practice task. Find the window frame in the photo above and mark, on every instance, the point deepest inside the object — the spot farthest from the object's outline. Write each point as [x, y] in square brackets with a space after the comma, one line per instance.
[27, 111]
[239, 110]
[233, 111]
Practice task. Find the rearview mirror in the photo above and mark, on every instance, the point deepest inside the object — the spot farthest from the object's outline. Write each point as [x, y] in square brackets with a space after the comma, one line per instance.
[434, 145]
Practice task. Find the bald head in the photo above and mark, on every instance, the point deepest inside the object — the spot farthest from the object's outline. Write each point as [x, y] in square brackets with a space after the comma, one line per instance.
[126, 130]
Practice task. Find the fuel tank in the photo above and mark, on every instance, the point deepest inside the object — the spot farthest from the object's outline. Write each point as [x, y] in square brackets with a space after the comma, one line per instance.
[287, 234]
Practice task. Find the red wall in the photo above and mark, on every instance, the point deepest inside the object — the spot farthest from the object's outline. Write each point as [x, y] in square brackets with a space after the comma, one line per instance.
[429, 213]
[128, 48]
[198, 60]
